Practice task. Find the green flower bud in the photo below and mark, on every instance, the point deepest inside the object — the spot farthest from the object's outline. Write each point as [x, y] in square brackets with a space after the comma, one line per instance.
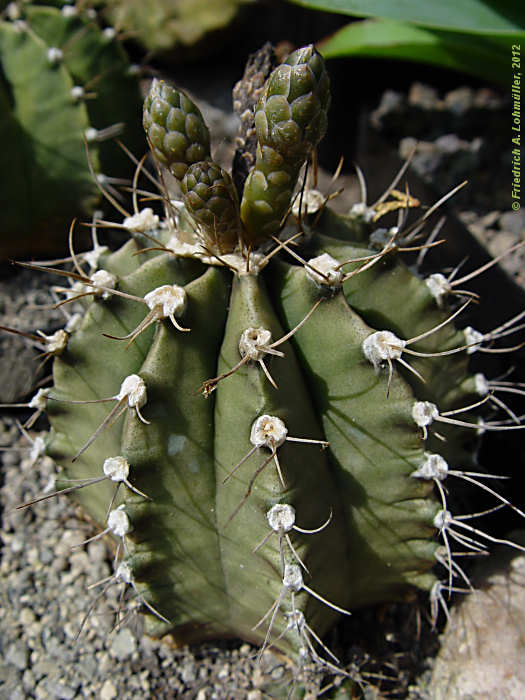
[290, 120]
[175, 128]
[210, 196]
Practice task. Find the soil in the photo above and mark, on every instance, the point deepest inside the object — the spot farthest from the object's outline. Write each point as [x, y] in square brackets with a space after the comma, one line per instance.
[391, 649]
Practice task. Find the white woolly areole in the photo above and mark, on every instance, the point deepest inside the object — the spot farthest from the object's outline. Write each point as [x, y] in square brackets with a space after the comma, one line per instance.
[38, 449]
[134, 389]
[481, 384]
[253, 343]
[13, 11]
[331, 274]
[381, 346]
[432, 467]
[281, 517]
[91, 134]
[169, 300]
[191, 247]
[362, 211]
[424, 412]
[293, 578]
[109, 32]
[268, 431]
[310, 202]
[54, 55]
[103, 278]
[473, 339]
[123, 572]
[145, 220]
[77, 92]
[56, 343]
[438, 286]
[118, 522]
[442, 519]
[116, 468]
[39, 400]
[69, 11]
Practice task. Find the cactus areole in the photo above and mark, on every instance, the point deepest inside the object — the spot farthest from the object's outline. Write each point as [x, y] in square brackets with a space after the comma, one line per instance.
[246, 386]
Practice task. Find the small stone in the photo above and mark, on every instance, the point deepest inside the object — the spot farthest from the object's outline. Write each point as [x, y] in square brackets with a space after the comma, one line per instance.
[223, 673]
[28, 680]
[188, 673]
[60, 691]
[460, 100]
[490, 219]
[423, 96]
[108, 691]
[97, 551]
[482, 649]
[124, 645]
[451, 143]
[17, 654]
[501, 243]
[44, 668]
[27, 617]
[17, 543]
[513, 221]
[17, 694]
[41, 692]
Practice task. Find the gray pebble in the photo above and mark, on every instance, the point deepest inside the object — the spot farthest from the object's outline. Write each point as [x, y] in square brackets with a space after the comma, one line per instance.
[17, 654]
[44, 668]
[460, 100]
[123, 645]
[513, 221]
[423, 96]
[17, 694]
[41, 692]
[187, 673]
[108, 691]
[60, 691]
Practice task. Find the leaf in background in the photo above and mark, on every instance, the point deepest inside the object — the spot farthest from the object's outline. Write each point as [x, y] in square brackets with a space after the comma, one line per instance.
[487, 58]
[471, 16]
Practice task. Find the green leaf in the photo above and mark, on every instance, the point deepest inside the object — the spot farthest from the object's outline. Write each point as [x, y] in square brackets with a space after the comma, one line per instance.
[472, 16]
[488, 59]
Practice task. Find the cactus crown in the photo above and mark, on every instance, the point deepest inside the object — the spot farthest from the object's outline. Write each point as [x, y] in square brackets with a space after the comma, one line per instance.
[306, 482]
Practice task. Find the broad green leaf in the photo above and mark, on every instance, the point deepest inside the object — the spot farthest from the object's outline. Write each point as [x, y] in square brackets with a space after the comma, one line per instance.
[386, 39]
[472, 16]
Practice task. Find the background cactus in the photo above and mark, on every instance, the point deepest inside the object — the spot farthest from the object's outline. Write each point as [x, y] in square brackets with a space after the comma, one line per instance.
[63, 80]
[186, 315]
[187, 26]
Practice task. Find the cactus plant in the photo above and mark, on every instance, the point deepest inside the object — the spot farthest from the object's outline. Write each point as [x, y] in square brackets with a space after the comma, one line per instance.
[261, 391]
[64, 81]
[187, 26]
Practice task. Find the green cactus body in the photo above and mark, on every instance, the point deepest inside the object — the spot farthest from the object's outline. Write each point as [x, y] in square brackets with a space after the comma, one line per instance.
[64, 82]
[213, 467]
[186, 27]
